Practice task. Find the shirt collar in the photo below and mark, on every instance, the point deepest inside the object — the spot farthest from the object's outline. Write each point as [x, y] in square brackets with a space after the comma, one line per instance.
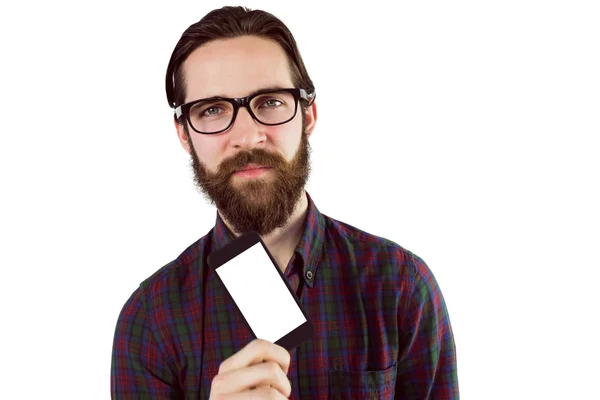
[309, 247]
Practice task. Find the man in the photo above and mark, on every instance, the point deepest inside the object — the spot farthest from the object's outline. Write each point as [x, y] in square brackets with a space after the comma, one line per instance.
[382, 328]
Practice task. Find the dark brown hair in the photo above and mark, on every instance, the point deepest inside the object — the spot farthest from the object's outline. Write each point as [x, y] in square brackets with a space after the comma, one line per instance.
[230, 22]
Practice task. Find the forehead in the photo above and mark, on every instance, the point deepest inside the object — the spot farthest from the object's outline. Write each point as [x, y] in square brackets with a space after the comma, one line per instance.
[235, 68]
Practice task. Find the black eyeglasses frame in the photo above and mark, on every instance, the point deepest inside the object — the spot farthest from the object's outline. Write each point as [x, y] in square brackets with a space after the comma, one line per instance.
[298, 93]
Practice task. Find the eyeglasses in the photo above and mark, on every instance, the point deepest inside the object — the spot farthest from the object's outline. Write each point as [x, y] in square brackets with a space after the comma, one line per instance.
[269, 107]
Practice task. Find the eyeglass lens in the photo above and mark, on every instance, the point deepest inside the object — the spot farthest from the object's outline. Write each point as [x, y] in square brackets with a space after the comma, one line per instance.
[269, 108]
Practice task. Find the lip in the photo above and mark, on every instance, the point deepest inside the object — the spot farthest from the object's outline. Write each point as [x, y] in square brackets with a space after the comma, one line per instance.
[251, 172]
[250, 167]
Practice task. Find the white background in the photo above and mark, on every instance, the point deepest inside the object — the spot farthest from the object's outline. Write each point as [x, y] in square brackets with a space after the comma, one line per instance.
[465, 131]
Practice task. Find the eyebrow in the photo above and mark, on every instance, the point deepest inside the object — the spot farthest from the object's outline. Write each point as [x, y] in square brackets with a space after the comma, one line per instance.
[263, 89]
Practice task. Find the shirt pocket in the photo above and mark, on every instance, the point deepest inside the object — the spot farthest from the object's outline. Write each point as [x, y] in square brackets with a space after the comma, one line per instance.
[372, 384]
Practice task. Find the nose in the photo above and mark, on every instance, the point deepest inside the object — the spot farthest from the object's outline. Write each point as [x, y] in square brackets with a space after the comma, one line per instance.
[246, 132]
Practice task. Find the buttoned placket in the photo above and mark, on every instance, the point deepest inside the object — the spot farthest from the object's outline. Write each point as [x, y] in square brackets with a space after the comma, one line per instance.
[297, 269]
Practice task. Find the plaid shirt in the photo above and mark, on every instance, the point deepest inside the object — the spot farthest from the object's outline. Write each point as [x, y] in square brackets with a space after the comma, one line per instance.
[382, 327]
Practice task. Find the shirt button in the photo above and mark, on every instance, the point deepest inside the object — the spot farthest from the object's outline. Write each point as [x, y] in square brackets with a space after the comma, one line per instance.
[309, 275]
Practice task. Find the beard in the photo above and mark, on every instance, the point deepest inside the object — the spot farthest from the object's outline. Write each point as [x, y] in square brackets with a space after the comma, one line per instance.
[261, 204]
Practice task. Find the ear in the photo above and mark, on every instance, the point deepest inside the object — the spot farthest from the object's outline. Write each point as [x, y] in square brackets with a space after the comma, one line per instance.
[311, 118]
[183, 137]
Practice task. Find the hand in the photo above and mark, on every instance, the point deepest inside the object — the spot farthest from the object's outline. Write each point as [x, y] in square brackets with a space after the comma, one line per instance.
[258, 371]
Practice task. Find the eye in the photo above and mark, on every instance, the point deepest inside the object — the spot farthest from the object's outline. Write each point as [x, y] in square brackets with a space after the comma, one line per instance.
[272, 103]
[211, 111]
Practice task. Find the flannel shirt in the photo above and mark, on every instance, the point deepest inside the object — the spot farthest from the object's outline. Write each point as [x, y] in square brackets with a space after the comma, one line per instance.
[382, 326]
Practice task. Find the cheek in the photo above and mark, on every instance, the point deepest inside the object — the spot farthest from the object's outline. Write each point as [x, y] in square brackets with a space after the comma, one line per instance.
[287, 138]
[207, 151]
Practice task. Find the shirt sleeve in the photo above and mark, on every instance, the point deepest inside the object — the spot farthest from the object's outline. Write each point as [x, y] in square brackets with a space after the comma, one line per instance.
[426, 366]
[138, 369]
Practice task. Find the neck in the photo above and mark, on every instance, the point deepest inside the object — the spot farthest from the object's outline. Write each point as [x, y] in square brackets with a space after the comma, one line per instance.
[282, 241]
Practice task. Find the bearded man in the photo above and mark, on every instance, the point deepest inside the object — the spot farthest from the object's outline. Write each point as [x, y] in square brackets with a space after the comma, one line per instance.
[244, 109]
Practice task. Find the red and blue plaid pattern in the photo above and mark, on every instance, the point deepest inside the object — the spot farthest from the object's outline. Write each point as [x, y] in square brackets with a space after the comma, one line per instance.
[382, 327]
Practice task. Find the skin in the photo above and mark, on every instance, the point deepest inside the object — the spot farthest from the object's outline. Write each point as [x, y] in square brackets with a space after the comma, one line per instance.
[257, 371]
[236, 68]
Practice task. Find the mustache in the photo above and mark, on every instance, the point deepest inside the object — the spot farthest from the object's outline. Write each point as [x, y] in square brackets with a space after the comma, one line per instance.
[255, 156]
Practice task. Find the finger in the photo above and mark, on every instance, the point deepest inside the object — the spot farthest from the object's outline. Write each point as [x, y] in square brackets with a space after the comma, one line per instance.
[268, 393]
[261, 375]
[257, 351]
[258, 394]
